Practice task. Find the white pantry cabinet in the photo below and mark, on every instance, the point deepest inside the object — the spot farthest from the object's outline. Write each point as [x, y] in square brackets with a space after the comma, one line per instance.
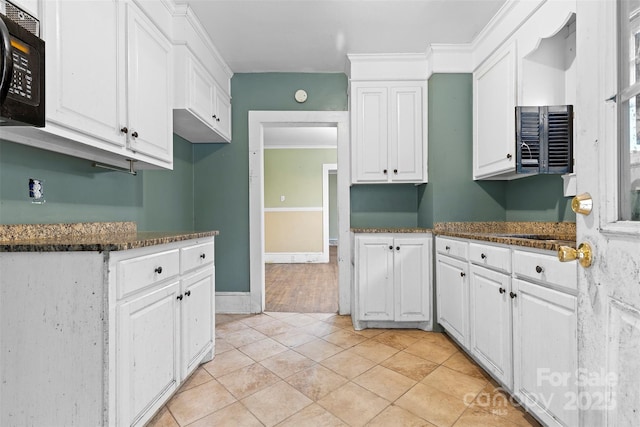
[389, 131]
[452, 287]
[107, 100]
[202, 108]
[114, 332]
[393, 280]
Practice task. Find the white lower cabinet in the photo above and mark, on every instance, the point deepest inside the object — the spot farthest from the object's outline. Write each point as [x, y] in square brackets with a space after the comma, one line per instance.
[452, 271]
[393, 280]
[520, 309]
[111, 335]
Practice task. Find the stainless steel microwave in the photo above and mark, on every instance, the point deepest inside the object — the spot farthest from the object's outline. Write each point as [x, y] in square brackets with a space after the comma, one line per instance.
[21, 68]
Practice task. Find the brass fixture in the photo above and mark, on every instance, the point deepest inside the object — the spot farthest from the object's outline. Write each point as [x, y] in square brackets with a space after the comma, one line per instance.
[583, 254]
[582, 204]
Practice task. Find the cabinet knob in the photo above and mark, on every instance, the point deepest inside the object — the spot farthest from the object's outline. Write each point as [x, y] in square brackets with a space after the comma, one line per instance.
[509, 156]
[214, 117]
[203, 256]
[124, 130]
[187, 293]
[397, 248]
[483, 256]
[512, 295]
[446, 248]
[179, 297]
[384, 171]
[502, 290]
[134, 134]
[158, 270]
[217, 119]
[395, 171]
[390, 247]
[462, 274]
[539, 269]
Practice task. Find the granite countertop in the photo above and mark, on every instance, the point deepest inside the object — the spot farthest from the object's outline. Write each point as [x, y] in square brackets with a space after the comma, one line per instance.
[540, 235]
[86, 236]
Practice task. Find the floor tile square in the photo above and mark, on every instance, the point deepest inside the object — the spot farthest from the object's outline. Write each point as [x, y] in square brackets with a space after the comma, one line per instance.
[478, 418]
[313, 416]
[246, 381]
[384, 382]
[495, 400]
[410, 366]
[344, 338]
[233, 415]
[353, 404]
[348, 364]
[433, 405]
[300, 320]
[244, 337]
[221, 346]
[294, 338]
[343, 322]
[396, 416]
[199, 376]
[257, 319]
[163, 419]
[287, 363]
[274, 327]
[318, 350]
[316, 382]
[199, 401]
[228, 328]
[456, 384]
[429, 351]
[229, 361]
[262, 349]
[322, 316]
[276, 403]
[374, 350]
[396, 339]
[280, 314]
[370, 333]
[320, 328]
[462, 363]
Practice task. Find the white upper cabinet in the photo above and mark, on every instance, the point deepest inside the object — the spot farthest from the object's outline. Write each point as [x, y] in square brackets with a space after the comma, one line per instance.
[388, 119]
[202, 108]
[149, 87]
[494, 102]
[533, 66]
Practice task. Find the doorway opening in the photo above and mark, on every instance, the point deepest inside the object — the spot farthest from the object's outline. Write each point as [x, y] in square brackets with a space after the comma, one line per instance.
[260, 124]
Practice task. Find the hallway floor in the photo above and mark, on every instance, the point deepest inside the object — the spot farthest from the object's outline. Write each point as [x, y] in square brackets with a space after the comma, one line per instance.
[296, 369]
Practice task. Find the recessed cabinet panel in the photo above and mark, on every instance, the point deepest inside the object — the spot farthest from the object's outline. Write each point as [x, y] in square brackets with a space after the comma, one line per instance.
[222, 109]
[371, 136]
[197, 319]
[494, 102]
[406, 144]
[85, 88]
[453, 297]
[201, 93]
[412, 258]
[375, 278]
[490, 321]
[150, 89]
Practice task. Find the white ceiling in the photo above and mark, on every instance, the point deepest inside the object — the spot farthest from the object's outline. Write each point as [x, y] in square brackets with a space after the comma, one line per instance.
[316, 35]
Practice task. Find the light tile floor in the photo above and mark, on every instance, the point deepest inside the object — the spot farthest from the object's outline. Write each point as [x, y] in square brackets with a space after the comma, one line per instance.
[293, 369]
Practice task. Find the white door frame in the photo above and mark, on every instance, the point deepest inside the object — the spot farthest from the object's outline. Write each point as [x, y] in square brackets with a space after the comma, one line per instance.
[326, 169]
[258, 120]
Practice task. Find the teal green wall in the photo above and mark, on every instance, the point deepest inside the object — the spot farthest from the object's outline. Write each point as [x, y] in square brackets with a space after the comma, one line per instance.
[384, 205]
[538, 198]
[451, 194]
[77, 192]
[221, 171]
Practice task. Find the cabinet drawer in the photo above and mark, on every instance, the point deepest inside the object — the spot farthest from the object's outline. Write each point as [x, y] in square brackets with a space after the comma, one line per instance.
[546, 268]
[496, 257]
[138, 273]
[451, 247]
[196, 256]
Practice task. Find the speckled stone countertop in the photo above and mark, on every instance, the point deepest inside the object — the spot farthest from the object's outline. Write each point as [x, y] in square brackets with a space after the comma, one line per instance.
[392, 230]
[86, 236]
[540, 235]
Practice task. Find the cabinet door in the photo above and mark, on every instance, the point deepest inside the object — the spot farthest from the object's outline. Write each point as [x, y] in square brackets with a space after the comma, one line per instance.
[198, 313]
[490, 321]
[374, 291]
[453, 297]
[406, 139]
[545, 352]
[222, 110]
[412, 279]
[149, 87]
[371, 135]
[201, 92]
[85, 81]
[147, 343]
[494, 101]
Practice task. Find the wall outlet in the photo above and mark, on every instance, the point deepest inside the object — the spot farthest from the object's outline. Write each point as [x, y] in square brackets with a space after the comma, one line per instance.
[282, 198]
[36, 190]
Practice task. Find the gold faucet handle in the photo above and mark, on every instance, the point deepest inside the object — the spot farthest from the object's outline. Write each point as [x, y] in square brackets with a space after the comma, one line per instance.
[583, 254]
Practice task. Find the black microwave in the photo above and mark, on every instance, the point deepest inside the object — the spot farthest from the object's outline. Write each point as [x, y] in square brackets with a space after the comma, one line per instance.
[21, 72]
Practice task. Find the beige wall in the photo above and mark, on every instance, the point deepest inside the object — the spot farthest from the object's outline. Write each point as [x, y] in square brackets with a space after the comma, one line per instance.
[293, 231]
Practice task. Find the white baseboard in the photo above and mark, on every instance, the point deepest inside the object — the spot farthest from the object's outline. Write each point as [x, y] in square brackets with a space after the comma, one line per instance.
[233, 302]
[295, 257]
